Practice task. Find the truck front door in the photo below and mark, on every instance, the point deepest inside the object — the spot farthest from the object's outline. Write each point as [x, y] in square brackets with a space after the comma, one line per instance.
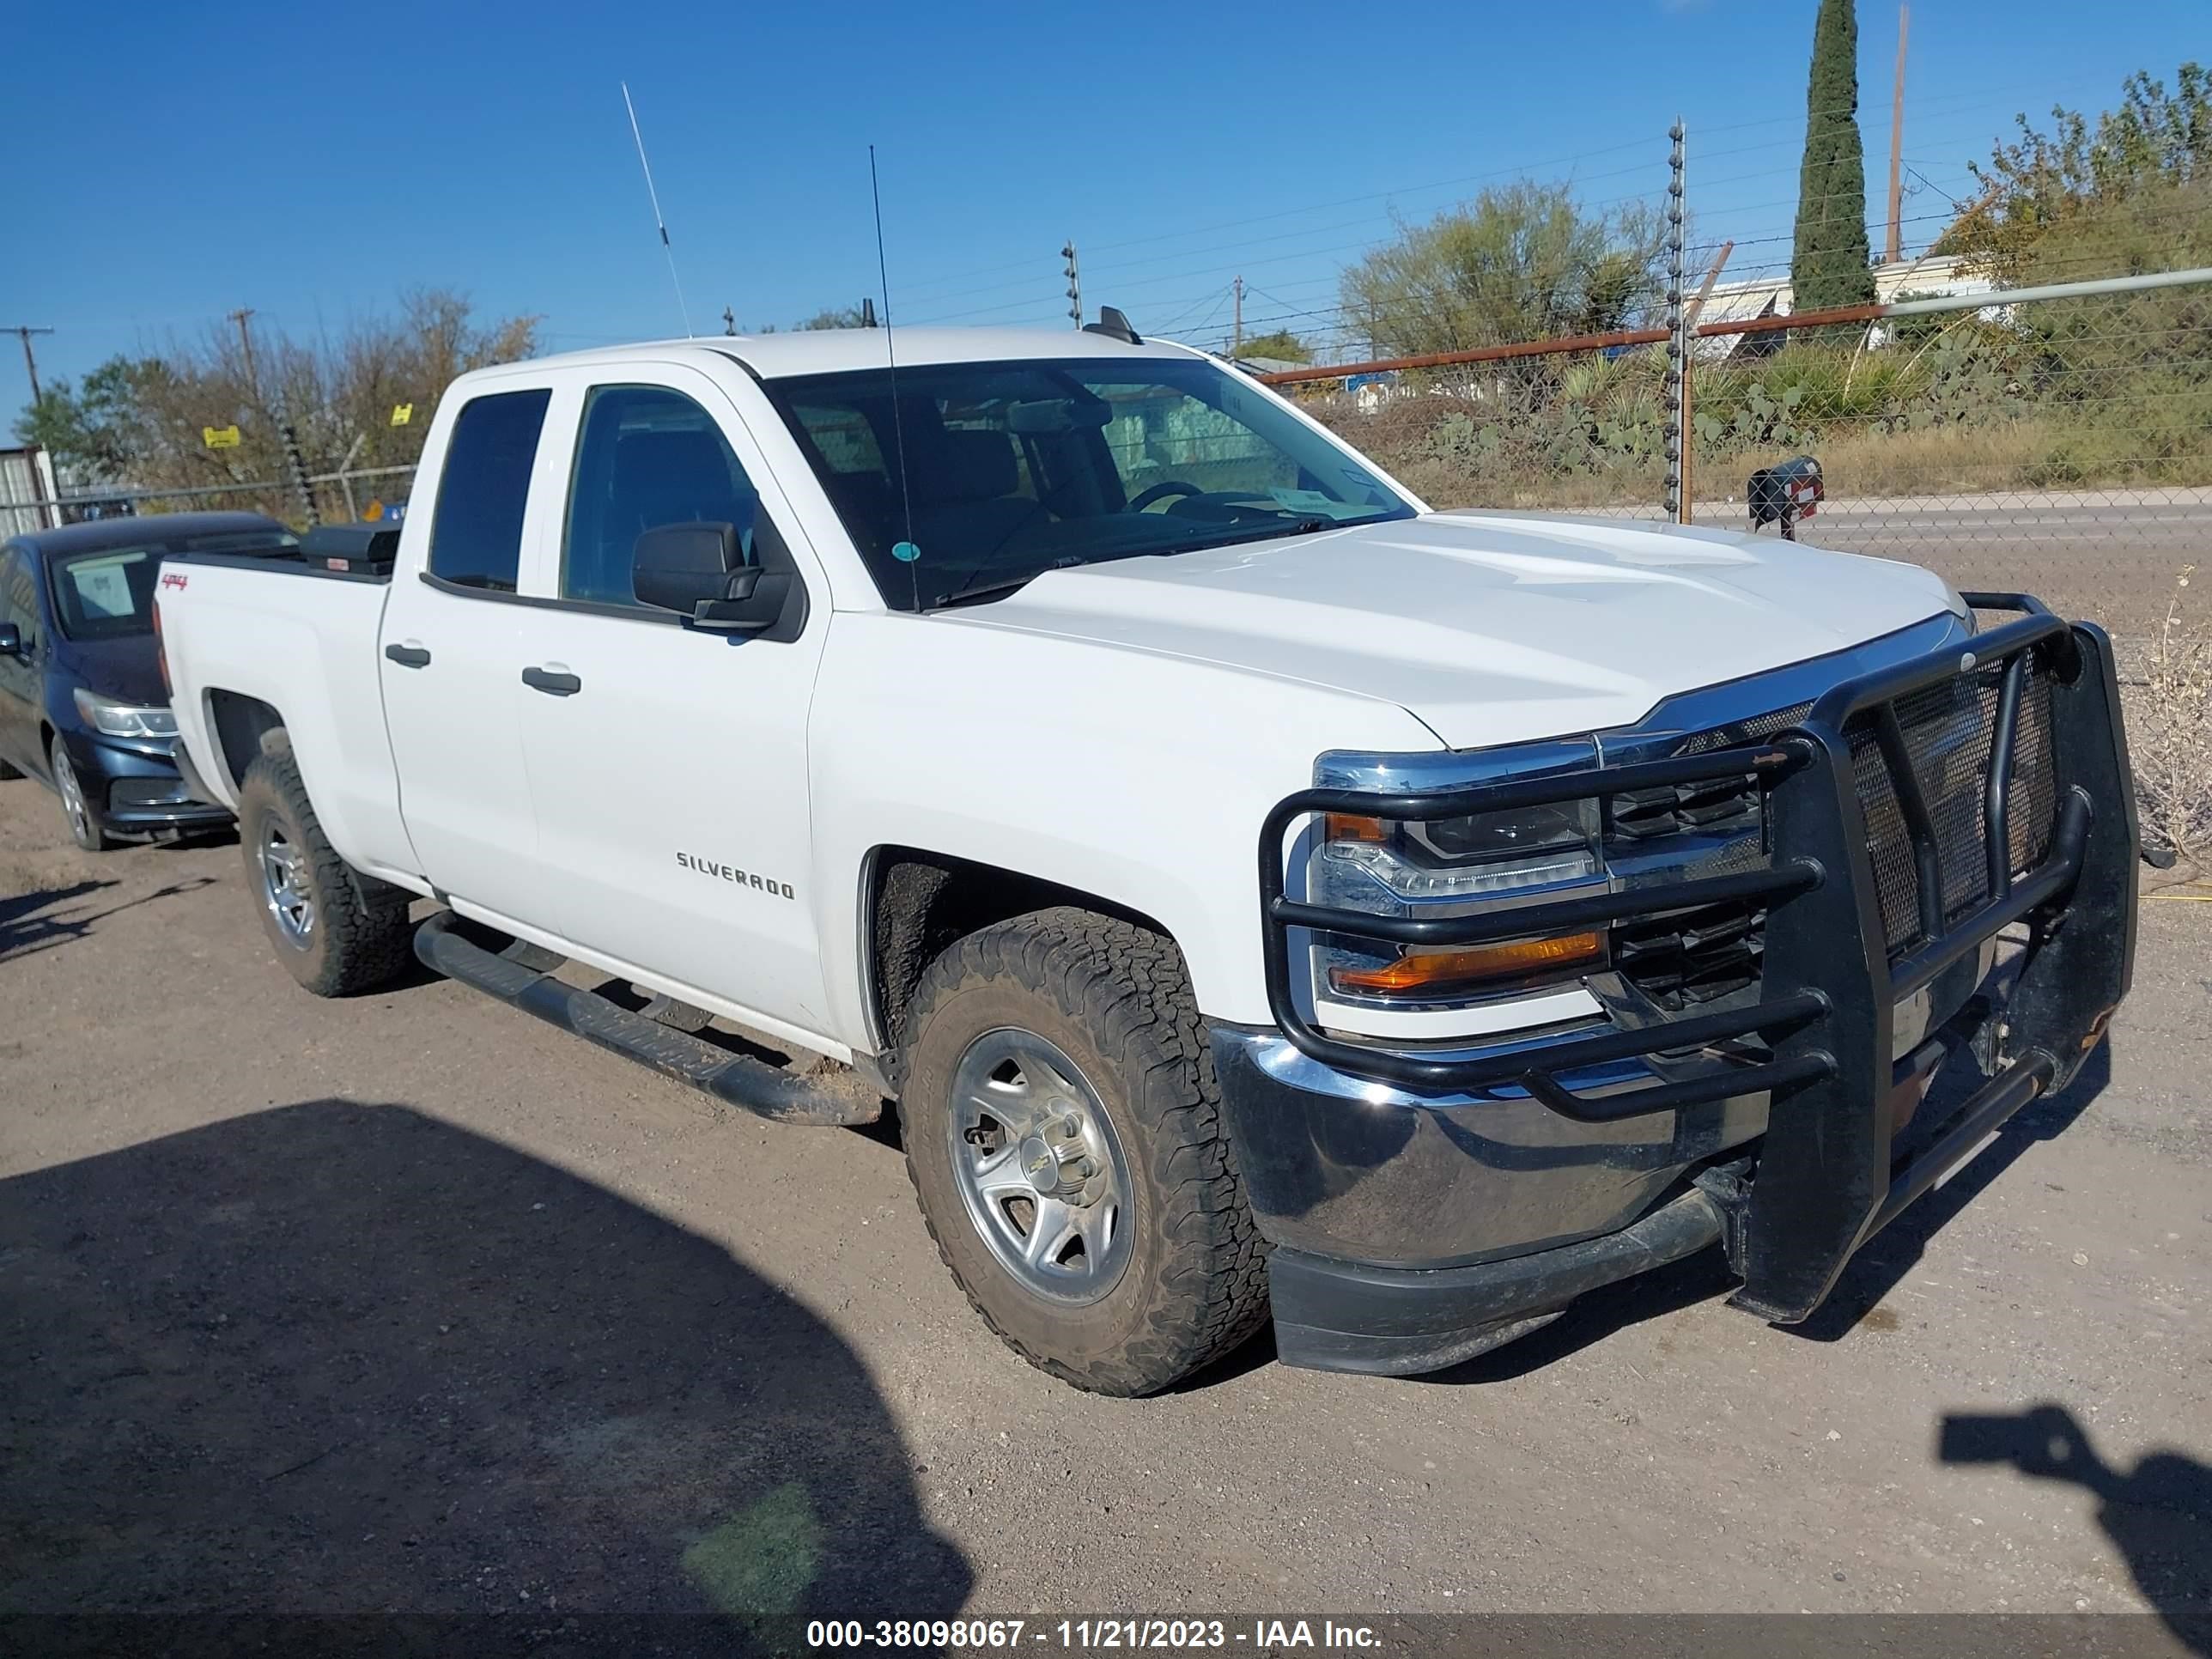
[668, 763]
[452, 649]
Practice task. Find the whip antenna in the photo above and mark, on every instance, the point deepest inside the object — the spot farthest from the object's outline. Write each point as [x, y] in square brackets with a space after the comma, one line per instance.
[654, 196]
[905, 552]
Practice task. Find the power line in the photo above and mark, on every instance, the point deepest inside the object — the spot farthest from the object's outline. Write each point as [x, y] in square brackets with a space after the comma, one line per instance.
[939, 290]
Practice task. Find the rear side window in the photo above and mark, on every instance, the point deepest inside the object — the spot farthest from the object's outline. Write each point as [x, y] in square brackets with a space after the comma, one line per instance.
[476, 538]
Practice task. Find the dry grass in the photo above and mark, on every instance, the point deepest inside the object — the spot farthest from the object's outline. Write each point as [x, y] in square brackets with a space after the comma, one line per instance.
[1863, 464]
[1860, 462]
[2169, 719]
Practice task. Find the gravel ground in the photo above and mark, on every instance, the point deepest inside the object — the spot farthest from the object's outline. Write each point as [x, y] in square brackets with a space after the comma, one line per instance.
[409, 1303]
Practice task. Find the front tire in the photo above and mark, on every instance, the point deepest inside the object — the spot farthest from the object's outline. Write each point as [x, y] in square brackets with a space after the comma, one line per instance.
[336, 930]
[1064, 1136]
[77, 810]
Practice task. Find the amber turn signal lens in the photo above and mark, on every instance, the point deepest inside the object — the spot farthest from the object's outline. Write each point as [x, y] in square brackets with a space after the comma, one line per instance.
[1343, 826]
[1440, 969]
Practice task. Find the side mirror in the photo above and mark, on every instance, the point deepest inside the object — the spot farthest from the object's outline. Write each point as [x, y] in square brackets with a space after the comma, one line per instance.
[11, 640]
[697, 569]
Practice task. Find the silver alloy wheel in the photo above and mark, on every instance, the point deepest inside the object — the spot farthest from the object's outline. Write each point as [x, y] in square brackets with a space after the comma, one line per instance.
[1039, 1167]
[284, 886]
[72, 792]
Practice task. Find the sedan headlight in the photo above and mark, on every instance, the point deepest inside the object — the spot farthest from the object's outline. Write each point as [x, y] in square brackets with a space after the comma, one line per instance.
[125, 719]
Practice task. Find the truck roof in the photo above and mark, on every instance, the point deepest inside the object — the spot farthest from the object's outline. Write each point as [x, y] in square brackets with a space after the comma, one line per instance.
[829, 350]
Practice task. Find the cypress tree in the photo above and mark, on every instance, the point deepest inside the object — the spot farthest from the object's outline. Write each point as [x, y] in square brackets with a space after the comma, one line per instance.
[1828, 262]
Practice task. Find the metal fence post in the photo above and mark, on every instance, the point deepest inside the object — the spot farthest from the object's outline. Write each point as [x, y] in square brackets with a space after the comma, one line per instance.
[296, 465]
[1678, 339]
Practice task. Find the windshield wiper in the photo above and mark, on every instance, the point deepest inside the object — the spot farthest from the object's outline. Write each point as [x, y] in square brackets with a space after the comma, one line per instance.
[999, 590]
[969, 594]
[977, 595]
[1265, 533]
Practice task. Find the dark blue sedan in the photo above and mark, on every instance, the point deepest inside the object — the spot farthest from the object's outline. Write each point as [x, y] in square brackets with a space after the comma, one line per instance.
[82, 705]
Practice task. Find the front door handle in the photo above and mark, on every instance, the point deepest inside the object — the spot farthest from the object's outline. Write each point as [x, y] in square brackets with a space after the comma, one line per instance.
[552, 681]
[408, 656]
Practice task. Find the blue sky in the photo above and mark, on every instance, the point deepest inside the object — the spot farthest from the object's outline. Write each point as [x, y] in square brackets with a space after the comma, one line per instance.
[185, 160]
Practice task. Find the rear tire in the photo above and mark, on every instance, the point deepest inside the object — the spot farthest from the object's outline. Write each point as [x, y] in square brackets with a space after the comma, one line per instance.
[1081, 1039]
[78, 812]
[336, 930]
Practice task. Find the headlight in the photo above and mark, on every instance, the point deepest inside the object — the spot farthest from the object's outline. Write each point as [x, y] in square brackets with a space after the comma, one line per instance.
[125, 719]
[1472, 857]
[1389, 867]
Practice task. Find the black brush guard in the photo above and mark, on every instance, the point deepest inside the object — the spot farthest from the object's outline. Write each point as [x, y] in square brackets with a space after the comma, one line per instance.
[1819, 1039]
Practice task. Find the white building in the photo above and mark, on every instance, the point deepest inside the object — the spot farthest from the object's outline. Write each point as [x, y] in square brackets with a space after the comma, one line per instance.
[1770, 296]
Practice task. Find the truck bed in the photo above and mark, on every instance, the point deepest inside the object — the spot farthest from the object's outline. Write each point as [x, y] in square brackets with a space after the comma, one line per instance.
[248, 647]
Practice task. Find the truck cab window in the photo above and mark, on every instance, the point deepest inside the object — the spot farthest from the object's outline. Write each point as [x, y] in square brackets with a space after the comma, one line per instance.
[476, 536]
[647, 457]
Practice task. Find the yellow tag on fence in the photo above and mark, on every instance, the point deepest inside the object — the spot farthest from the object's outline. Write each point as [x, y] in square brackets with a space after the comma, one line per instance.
[402, 413]
[220, 437]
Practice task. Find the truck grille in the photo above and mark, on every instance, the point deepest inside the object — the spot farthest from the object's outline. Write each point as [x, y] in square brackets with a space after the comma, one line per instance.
[1692, 957]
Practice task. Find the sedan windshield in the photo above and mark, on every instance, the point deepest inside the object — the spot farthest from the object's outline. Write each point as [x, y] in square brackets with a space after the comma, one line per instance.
[1017, 468]
[109, 594]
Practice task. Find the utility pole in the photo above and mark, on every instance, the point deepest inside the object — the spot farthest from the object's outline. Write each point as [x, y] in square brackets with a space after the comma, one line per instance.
[1074, 283]
[1706, 287]
[1895, 249]
[246, 340]
[30, 362]
[1236, 339]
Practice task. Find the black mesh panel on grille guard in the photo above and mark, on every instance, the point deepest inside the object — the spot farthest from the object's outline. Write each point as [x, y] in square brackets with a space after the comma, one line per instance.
[1947, 729]
[1681, 959]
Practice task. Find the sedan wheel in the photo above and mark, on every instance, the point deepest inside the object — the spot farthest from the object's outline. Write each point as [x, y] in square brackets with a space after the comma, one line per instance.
[84, 825]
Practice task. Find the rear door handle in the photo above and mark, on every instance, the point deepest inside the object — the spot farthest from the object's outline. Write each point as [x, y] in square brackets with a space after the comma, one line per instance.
[408, 656]
[553, 681]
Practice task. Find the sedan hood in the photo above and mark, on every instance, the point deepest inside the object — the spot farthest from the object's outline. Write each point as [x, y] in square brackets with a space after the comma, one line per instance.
[1489, 628]
[124, 669]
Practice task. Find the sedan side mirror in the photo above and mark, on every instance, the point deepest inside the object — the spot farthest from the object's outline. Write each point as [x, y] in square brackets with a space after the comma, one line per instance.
[699, 570]
[11, 640]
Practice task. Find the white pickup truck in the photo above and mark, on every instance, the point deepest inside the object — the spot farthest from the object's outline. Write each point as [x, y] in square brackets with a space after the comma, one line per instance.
[1254, 891]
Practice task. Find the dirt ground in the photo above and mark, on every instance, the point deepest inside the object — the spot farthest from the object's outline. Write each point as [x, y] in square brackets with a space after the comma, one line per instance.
[410, 1306]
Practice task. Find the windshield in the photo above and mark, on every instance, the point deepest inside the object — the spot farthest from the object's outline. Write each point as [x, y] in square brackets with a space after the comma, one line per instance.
[109, 594]
[1017, 468]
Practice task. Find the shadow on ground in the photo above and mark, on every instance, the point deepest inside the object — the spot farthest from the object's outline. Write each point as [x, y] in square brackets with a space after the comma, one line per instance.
[1884, 1260]
[339, 1358]
[2158, 1515]
[42, 919]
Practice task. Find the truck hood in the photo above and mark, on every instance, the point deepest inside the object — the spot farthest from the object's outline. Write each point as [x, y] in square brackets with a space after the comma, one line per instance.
[1488, 627]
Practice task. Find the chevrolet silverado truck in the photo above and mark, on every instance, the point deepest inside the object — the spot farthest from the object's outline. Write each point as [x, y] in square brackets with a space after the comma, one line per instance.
[1257, 894]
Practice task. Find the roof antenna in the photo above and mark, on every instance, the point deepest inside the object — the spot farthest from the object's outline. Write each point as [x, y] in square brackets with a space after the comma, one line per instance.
[654, 196]
[905, 552]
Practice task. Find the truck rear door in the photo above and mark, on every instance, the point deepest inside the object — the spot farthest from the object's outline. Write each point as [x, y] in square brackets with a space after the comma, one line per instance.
[669, 762]
[452, 645]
